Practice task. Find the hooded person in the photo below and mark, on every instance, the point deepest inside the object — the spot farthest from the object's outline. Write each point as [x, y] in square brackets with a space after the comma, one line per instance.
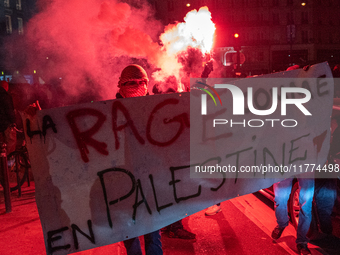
[133, 82]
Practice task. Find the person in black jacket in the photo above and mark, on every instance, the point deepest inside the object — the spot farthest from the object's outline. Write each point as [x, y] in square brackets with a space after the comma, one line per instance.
[7, 118]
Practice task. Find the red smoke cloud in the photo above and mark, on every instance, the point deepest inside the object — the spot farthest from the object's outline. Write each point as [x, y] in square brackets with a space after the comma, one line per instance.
[83, 45]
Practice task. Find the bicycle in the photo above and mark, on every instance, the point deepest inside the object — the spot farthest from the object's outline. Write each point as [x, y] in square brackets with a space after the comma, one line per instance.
[18, 167]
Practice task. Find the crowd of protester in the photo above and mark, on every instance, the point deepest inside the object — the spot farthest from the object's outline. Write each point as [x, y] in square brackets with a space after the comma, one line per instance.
[134, 82]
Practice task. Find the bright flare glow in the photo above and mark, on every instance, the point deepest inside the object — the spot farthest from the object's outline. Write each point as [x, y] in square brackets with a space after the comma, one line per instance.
[188, 5]
[236, 35]
[197, 31]
[303, 4]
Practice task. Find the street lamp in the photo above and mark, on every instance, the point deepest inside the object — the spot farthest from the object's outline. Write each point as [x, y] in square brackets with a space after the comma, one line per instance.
[237, 47]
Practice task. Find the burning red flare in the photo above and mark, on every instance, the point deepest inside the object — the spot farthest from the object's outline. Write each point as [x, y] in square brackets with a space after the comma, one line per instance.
[197, 32]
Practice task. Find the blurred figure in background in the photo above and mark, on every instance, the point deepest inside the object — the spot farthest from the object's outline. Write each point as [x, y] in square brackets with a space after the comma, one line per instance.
[7, 118]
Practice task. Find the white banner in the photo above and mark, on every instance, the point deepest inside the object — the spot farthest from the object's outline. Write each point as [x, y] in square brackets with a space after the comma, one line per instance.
[112, 170]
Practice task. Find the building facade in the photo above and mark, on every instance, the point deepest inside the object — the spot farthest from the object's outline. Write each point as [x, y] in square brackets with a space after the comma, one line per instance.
[273, 34]
[14, 14]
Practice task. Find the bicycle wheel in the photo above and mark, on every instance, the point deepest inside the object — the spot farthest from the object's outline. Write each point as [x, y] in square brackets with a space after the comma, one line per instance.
[18, 166]
[294, 205]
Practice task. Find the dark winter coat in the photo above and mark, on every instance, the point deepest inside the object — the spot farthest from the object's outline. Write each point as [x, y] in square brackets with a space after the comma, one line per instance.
[7, 114]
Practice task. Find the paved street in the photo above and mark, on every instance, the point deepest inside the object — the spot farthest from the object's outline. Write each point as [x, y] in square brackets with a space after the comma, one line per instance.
[242, 227]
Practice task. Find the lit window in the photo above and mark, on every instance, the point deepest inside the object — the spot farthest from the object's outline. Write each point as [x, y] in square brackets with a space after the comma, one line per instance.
[6, 3]
[20, 26]
[18, 4]
[8, 24]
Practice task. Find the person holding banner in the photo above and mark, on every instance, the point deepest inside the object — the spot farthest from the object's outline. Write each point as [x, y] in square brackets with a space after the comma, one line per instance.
[133, 82]
[282, 193]
[325, 193]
